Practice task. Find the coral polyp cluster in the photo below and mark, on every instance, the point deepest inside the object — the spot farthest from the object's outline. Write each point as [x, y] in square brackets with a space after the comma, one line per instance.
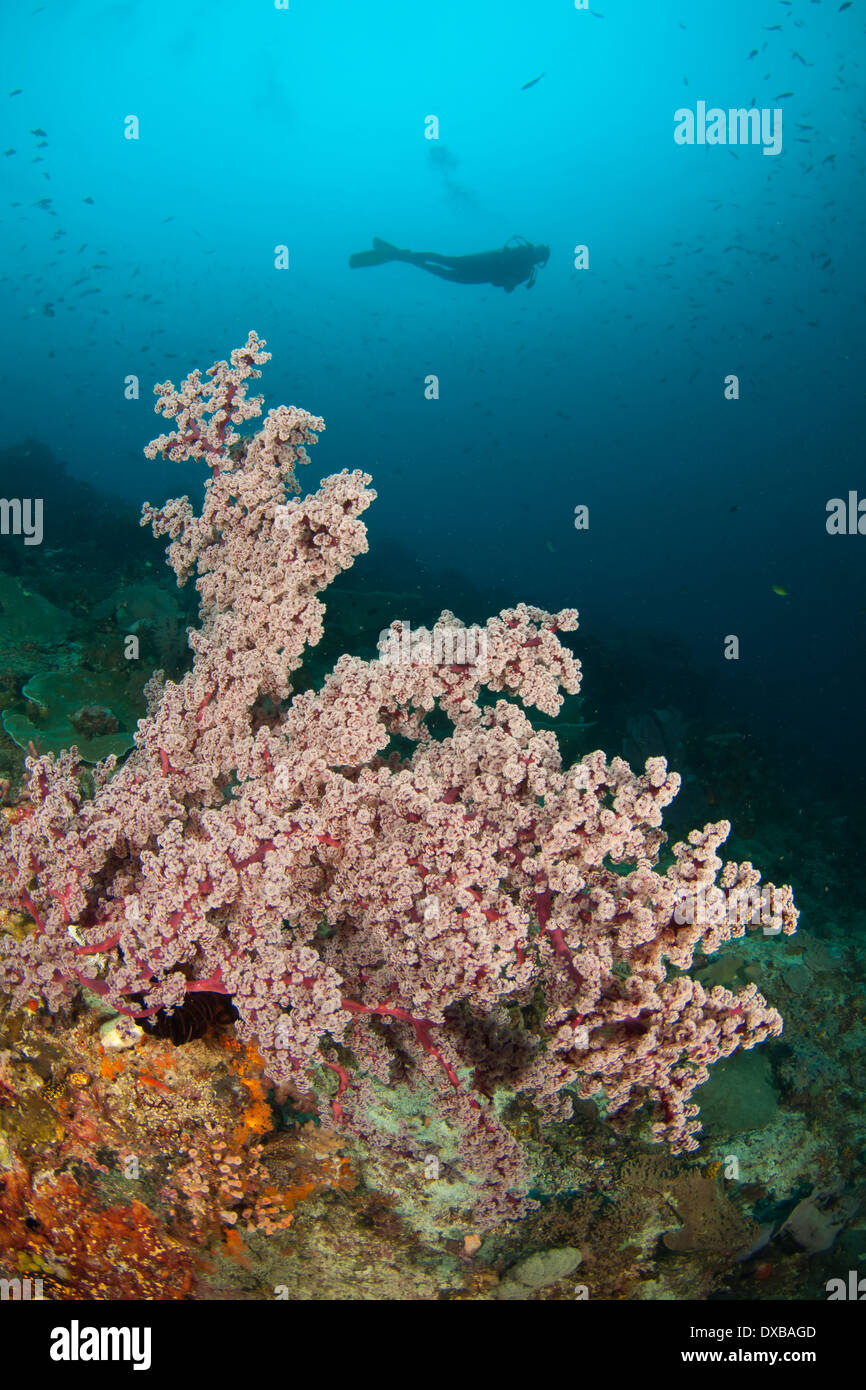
[378, 898]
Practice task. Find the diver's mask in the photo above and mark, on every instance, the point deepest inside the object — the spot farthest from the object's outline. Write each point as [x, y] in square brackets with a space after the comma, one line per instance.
[541, 260]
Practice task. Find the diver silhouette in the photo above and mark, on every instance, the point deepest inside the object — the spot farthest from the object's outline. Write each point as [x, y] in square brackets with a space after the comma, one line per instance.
[516, 261]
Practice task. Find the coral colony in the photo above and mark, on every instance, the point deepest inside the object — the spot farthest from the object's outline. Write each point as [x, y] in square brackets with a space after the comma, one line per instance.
[468, 915]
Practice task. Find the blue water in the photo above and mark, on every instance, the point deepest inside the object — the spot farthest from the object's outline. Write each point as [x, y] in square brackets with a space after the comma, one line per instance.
[604, 386]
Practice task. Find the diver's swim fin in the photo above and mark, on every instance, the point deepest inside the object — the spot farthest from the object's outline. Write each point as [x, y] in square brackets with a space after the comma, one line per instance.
[382, 252]
[361, 258]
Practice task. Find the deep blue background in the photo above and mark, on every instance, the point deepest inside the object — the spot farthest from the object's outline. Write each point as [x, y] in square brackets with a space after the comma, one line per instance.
[605, 387]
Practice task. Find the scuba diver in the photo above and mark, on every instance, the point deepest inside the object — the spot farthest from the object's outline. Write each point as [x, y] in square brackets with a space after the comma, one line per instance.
[516, 261]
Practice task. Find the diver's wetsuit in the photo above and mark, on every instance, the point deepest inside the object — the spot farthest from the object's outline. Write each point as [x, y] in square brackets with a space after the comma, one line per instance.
[506, 268]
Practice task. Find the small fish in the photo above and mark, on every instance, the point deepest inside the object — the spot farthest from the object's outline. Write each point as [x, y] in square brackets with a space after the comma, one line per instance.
[48, 311]
[827, 160]
[754, 53]
[527, 85]
[153, 1081]
[846, 6]
[8, 152]
[17, 92]
[550, 547]
[87, 200]
[782, 95]
[795, 54]
[770, 27]
[777, 589]
[39, 131]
